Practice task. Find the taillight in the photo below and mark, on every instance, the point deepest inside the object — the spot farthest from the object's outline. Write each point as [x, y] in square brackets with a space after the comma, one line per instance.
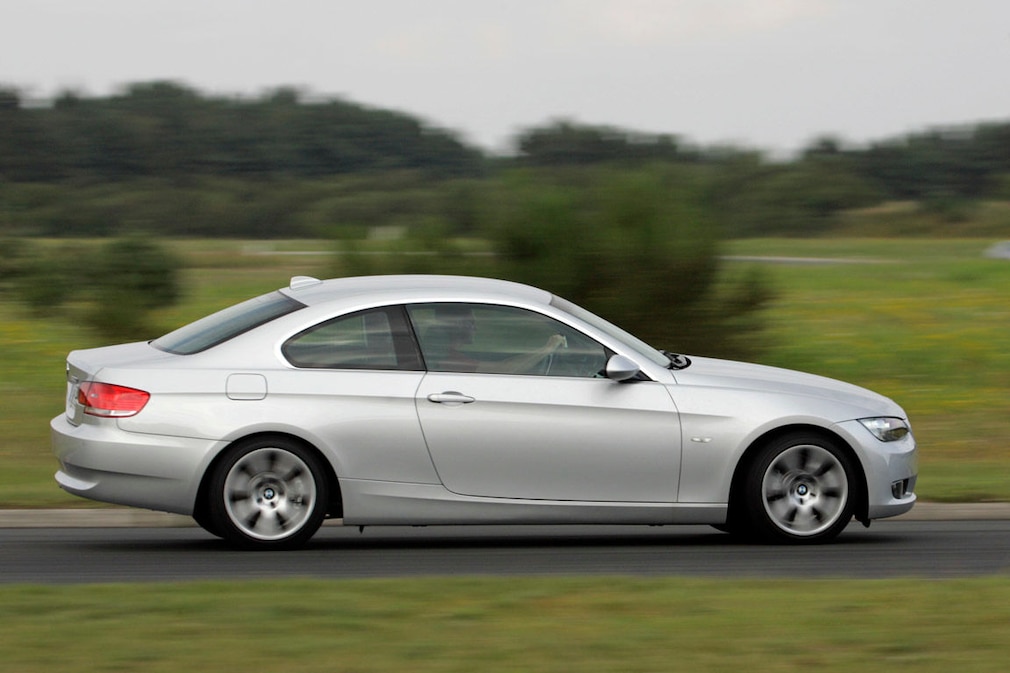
[106, 399]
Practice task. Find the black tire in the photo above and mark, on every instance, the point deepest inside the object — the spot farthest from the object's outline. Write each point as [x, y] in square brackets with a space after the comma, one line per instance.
[801, 489]
[268, 493]
[203, 520]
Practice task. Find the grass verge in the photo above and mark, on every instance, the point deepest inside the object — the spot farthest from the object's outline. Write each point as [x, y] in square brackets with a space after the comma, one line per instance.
[550, 624]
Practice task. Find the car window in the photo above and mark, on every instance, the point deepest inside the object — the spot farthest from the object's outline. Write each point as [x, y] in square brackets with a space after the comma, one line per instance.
[374, 339]
[611, 330]
[227, 324]
[457, 337]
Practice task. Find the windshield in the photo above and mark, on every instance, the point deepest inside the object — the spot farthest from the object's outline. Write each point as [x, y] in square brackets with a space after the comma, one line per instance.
[613, 331]
[226, 324]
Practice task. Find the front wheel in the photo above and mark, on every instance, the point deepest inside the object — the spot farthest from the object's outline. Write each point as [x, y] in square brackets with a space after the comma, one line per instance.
[801, 489]
[268, 494]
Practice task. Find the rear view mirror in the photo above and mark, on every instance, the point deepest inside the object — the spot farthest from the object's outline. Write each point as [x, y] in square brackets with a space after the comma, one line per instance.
[620, 368]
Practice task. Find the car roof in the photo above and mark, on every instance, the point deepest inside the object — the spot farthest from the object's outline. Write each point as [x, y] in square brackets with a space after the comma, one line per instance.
[408, 288]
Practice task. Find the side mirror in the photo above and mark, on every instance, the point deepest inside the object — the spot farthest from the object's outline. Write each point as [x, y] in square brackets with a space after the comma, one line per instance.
[620, 369]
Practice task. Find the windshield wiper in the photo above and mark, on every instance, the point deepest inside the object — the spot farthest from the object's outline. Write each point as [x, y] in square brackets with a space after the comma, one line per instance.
[677, 361]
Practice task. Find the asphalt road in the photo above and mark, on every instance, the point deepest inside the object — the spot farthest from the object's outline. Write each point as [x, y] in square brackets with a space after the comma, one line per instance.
[938, 549]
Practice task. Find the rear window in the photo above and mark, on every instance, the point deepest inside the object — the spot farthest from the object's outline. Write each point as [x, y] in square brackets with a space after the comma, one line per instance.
[226, 324]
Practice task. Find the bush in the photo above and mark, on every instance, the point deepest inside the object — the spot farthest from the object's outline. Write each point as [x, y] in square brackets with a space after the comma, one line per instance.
[15, 258]
[130, 278]
[41, 277]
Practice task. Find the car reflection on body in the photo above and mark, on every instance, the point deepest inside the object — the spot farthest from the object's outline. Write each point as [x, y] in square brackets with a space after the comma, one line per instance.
[427, 400]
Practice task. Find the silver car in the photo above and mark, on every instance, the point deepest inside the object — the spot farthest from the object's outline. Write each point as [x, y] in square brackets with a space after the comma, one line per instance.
[426, 400]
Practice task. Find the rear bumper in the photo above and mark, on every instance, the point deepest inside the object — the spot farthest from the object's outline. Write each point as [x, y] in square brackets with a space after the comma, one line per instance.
[101, 462]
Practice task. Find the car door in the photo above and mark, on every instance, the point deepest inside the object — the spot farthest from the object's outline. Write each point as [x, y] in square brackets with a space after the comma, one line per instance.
[514, 405]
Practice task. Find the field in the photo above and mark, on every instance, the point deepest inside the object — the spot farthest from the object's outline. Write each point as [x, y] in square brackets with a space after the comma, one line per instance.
[926, 322]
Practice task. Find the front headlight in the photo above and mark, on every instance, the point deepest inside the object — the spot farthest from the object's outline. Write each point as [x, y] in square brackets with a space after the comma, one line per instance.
[886, 429]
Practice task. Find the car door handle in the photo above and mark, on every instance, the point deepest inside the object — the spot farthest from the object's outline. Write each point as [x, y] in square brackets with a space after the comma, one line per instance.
[450, 397]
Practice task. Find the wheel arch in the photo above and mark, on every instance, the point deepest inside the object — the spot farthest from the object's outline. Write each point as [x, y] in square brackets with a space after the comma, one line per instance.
[743, 466]
[334, 508]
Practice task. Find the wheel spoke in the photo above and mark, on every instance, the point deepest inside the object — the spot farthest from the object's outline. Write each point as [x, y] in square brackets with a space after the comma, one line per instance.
[238, 496]
[790, 517]
[775, 496]
[268, 523]
[253, 519]
[824, 468]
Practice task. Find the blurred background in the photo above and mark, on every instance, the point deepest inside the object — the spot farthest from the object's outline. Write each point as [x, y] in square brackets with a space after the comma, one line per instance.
[817, 185]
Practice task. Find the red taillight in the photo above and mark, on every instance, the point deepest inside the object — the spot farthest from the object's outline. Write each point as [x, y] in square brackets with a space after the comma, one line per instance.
[106, 399]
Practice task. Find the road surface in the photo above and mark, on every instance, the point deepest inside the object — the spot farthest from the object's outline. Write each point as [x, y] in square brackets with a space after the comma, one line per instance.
[937, 549]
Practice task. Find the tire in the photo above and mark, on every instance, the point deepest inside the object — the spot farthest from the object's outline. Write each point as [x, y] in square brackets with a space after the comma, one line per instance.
[204, 520]
[800, 489]
[268, 493]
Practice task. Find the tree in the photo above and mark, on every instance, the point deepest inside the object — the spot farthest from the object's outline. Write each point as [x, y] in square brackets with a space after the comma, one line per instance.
[565, 143]
[796, 199]
[165, 129]
[24, 151]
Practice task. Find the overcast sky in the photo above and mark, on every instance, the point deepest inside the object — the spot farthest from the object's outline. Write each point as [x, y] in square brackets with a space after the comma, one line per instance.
[771, 74]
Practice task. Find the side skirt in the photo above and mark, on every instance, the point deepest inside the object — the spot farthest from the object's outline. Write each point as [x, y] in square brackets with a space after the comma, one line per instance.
[378, 503]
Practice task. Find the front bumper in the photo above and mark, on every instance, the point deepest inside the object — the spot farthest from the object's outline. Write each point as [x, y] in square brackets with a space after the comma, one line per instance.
[891, 470]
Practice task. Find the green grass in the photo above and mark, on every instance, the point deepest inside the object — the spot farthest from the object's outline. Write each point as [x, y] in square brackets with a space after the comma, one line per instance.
[926, 323]
[619, 625]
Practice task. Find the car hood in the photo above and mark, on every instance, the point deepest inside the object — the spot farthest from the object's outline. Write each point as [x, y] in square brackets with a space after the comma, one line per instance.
[744, 376]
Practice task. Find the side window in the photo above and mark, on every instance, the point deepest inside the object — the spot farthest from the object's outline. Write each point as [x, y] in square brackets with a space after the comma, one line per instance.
[373, 339]
[502, 340]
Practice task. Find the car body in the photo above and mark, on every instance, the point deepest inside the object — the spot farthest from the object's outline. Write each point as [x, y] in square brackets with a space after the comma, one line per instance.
[426, 400]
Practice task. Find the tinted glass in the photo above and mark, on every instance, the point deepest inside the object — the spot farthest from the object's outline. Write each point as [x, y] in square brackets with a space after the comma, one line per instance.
[374, 339]
[502, 340]
[226, 324]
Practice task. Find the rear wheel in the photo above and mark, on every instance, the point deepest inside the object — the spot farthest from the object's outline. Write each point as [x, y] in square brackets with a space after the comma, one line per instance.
[800, 489]
[268, 494]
